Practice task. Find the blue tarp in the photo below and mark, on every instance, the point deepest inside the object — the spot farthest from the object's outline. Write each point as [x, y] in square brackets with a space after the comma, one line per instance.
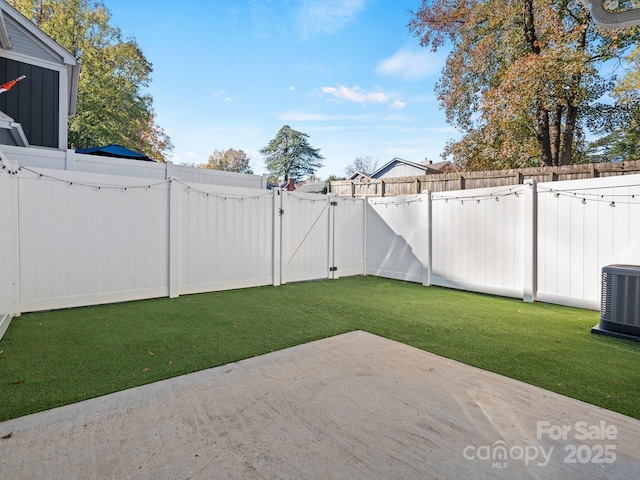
[113, 150]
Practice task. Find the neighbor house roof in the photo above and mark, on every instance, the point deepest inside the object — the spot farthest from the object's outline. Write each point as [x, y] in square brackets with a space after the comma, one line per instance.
[359, 176]
[312, 187]
[445, 166]
[116, 151]
[399, 162]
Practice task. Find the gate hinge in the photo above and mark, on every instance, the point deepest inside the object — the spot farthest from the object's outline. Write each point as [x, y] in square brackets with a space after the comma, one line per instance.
[333, 269]
[280, 211]
[334, 203]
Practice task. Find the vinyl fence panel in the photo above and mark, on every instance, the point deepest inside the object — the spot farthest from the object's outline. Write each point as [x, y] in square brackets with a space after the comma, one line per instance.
[395, 237]
[477, 241]
[36, 158]
[226, 238]
[84, 242]
[584, 225]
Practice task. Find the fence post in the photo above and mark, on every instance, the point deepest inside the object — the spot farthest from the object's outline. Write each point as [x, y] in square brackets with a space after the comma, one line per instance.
[10, 304]
[174, 238]
[530, 250]
[426, 270]
[331, 232]
[365, 208]
[70, 160]
[168, 170]
[277, 237]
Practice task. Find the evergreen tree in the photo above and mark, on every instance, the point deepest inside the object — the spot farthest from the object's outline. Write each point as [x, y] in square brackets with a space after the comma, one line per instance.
[290, 155]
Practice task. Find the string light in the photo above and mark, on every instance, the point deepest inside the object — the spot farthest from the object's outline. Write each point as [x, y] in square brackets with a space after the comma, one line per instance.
[404, 201]
[611, 199]
[507, 192]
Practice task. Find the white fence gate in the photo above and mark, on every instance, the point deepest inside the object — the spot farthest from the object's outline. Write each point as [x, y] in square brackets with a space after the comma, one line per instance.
[307, 253]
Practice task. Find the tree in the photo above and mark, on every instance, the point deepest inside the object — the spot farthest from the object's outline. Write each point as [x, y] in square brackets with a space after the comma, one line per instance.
[519, 78]
[621, 127]
[229, 160]
[111, 106]
[365, 164]
[290, 155]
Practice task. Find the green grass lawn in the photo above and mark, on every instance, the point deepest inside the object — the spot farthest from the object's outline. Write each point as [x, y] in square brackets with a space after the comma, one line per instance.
[55, 358]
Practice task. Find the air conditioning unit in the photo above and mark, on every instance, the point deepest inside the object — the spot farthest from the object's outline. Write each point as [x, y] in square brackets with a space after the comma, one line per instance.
[620, 302]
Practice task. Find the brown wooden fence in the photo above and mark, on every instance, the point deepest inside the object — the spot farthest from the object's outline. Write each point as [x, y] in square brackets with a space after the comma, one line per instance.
[389, 187]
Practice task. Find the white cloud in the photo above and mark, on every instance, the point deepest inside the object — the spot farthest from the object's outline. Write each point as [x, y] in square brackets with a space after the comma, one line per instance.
[327, 16]
[410, 65]
[357, 95]
[292, 88]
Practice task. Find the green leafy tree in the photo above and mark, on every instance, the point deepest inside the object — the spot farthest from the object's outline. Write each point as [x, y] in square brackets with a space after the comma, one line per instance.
[364, 164]
[521, 78]
[290, 155]
[112, 106]
[229, 160]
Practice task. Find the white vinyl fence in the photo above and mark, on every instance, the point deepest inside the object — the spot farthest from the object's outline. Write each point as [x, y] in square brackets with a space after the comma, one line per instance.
[479, 241]
[545, 242]
[71, 238]
[70, 160]
[397, 237]
[584, 225]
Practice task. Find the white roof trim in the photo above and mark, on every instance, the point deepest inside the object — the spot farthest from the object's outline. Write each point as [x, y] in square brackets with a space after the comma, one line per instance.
[42, 38]
[15, 129]
[5, 42]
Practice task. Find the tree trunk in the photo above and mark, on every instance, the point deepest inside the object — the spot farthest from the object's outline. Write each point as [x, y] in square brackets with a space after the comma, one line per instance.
[569, 134]
[542, 114]
[555, 134]
[542, 134]
[572, 109]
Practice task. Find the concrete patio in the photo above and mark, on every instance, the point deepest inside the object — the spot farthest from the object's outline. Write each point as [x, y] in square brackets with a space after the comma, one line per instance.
[355, 406]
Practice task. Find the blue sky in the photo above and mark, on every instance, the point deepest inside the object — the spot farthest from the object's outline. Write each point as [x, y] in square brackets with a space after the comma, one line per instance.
[230, 73]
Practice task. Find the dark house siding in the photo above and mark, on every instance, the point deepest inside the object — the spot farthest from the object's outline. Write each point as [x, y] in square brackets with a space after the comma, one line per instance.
[34, 102]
